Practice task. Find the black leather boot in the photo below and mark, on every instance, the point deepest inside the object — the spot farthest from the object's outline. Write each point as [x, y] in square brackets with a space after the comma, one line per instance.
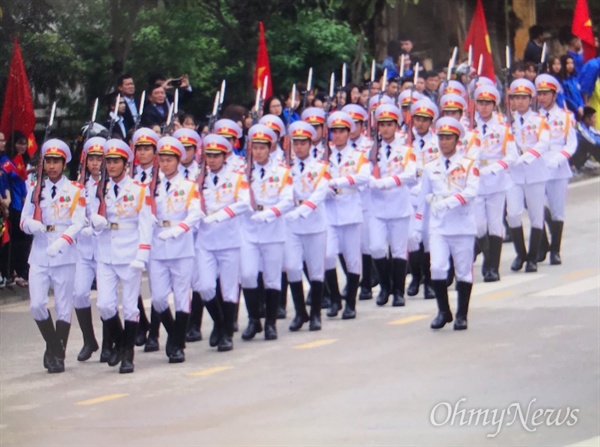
[366, 279]
[428, 290]
[261, 296]
[152, 344]
[216, 313]
[272, 300]
[493, 273]
[519, 243]
[441, 295]
[544, 243]
[90, 345]
[195, 322]
[334, 290]
[482, 246]
[282, 309]
[315, 307]
[107, 344]
[414, 261]
[252, 305]
[350, 307]
[299, 305]
[115, 330]
[464, 295]
[385, 283]
[229, 315]
[398, 279]
[131, 329]
[178, 337]
[54, 350]
[169, 323]
[62, 331]
[557, 230]
[534, 245]
[144, 324]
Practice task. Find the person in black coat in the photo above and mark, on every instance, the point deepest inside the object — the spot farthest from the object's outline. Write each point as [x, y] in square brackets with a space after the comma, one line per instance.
[126, 88]
[156, 109]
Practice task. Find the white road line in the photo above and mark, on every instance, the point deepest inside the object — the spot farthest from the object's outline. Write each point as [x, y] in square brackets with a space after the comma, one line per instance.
[573, 288]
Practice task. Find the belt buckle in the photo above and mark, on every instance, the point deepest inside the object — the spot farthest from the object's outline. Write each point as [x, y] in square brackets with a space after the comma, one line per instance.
[337, 190]
[166, 223]
[114, 226]
[50, 228]
[483, 162]
[259, 207]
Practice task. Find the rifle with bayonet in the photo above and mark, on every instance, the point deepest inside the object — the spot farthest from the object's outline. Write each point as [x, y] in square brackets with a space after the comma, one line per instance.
[36, 197]
[83, 160]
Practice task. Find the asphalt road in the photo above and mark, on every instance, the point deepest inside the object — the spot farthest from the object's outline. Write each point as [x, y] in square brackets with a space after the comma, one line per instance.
[525, 373]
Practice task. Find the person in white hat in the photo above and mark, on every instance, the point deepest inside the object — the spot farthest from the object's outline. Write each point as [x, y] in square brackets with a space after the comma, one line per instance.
[275, 123]
[232, 132]
[529, 174]
[191, 140]
[497, 153]
[55, 223]
[307, 228]
[563, 144]
[85, 272]
[315, 116]
[393, 175]
[124, 241]
[455, 106]
[264, 230]
[349, 170]
[225, 196]
[172, 257]
[450, 184]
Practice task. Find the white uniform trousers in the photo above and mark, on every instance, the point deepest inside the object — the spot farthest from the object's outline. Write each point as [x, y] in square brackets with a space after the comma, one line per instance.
[344, 239]
[489, 214]
[556, 192]
[391, 233]
[412, 246]
[85, 273]
[532, 194]
[307, 247]
[224, 264]
[108, 277]
[271, 255]
[61, 278]
[461, 249]
[171, 275]
[365, 244]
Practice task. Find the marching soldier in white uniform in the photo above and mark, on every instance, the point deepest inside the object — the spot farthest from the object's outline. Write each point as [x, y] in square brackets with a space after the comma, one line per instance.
[563, 144]
[172, 257]
[425, 147]
[55, 221]
[362, 143]
[145, 142]
[124, 238]
[225, 198]
[85, 272]
[349, 169]
[307, 229]
[275, 123]
[271, 195]
[394, 173]
[315, 116]
[529, 174]
[190, 169]
[497, 153]
[232, 132]
[454, 106]
[450, 184]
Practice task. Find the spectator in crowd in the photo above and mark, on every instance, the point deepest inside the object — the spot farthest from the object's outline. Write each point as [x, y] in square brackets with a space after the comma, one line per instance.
[570, 85]
[352, 94]
[318, 101]
[406, 46]
[406, 84]
[588, 144]
[574, 47]
[364, 96]
[391, 88]
[553, 66]
[392, 61]
[530, 70]
[432, 84]
[126, 88]
[533, 50]
[590, 85]
[119, 128]
[156, 109]
[288, 104]
[5, 199]
[587, 127]
[273, 106]
[420, 86]
[187, 121]
[517, 70]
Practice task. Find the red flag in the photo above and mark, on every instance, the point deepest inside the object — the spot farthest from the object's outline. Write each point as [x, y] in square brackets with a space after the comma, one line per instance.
[31, 144]
[582, 28]
[262, 63]
[5, 233]
[17, 113]
[479, 39]
[21, 168]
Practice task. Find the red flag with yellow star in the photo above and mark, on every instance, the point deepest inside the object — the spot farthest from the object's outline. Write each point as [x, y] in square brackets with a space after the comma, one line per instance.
[582, 28]
[479, 39]
[262, 68]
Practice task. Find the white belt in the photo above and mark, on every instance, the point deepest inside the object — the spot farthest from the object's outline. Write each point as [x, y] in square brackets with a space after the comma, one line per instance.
[122, 226]
[56, 228]
[168, 223]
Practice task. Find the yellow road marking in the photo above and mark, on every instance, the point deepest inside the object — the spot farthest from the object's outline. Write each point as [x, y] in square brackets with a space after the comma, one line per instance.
[209, 371]
[407, 320]
[495, 296]
[580, 274]
[99, 400]
[316, 344]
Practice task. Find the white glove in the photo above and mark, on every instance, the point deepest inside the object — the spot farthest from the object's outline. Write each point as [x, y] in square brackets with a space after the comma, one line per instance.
[261, 216]
[485, 171]
[219, 216]
[171, 233]
[87, 232]
[56, 247]
[331, 193]
[379, 183]
[36, 227]
[416, 237]
[552, 163]
[293, 215]
[137, 265]
[439, 207]
[372, 182]
[99, 223]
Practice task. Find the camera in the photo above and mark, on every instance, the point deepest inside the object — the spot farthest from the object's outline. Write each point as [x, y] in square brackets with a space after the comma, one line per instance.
[175, 83]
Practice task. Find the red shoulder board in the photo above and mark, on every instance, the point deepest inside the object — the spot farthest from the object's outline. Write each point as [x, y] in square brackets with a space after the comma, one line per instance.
[79, 185]
[476, 172]
[82, 201]
[148, 200]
